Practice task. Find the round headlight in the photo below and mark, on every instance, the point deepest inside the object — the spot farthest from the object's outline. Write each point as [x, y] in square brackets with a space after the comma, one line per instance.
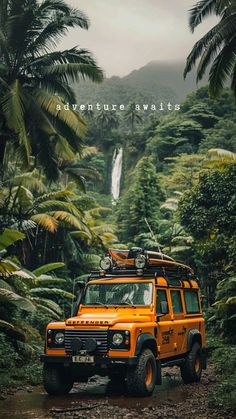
[106, 263]
[140, 261]
[117, 339]
[59, 338]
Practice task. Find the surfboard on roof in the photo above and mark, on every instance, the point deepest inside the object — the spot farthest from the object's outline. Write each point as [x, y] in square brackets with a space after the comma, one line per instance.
[127, 258]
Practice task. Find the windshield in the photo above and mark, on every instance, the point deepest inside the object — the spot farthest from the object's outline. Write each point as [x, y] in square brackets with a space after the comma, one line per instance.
[119, 294]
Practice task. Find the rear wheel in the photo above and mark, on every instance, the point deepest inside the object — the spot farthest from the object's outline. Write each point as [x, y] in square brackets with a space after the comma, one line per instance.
[191, 370]
[141, 380]
[56, 380]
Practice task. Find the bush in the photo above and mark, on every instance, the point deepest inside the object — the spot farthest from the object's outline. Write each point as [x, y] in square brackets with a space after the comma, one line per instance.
[18, 367]
[224, 359]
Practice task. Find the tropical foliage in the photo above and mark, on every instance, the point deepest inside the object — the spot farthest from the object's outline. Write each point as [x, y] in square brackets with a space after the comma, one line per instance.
[56, 215]
[217, 47]
[35, 82]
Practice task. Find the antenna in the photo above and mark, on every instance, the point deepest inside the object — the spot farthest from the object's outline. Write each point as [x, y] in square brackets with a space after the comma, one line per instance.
[153, 237]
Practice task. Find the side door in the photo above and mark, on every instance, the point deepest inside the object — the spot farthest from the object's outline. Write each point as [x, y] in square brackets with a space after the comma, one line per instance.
[164, 325]
[179, 322]
[193, 316]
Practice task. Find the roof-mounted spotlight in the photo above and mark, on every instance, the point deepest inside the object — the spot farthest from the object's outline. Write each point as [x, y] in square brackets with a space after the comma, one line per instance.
[140, 261]
[106, 263]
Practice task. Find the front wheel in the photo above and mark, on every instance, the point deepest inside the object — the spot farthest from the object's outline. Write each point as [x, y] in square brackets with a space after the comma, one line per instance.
[191, 370]
[56, 381]
[141, 380]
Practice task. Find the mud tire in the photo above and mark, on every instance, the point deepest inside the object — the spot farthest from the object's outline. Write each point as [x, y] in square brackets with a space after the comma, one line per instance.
[191, 370]
[142, 378]
[55, 380]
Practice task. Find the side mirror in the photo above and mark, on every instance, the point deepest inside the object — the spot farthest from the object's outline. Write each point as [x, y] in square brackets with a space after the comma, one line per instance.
[164, 307]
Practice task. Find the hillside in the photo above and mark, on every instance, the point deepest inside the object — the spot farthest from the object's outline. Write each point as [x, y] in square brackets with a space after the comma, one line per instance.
[155, 82]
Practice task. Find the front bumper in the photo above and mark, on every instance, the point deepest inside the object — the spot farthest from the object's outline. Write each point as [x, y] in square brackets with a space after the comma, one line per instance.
[66, 360]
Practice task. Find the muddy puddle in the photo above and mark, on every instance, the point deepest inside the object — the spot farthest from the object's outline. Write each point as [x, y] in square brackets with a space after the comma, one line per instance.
[37, 404]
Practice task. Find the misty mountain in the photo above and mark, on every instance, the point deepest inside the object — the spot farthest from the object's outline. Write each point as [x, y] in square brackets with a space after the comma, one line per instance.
[164, 75]
[153, 83]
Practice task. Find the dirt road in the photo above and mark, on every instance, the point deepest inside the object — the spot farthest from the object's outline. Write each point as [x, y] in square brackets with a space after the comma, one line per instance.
[97, 399]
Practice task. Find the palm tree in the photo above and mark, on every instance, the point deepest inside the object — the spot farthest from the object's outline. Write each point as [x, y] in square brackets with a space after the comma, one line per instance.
[132, 116]
[108, 120]
[217, 48]
[35, 81]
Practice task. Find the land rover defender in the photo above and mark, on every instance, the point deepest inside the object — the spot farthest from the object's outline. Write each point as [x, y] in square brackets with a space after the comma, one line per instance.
[140, 313]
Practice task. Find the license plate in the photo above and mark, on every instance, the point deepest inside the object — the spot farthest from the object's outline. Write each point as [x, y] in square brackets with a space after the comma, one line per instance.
[83, 358]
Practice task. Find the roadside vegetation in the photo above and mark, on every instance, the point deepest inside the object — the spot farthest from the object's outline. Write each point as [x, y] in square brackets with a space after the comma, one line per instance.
[56, 213]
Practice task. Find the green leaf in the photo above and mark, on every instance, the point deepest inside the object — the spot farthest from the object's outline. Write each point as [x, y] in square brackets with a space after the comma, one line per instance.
[48, 311]
[9, 297]
[8, 237]
[49, 304]
[231, 300]
[5, 285]
[12, 330]
[51, 292]
[47, 268]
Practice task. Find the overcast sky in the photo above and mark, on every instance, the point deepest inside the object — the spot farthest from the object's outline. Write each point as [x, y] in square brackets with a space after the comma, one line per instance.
[127, 34]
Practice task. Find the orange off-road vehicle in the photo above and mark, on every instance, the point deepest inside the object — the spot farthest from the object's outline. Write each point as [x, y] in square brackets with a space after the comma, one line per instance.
[141, 312]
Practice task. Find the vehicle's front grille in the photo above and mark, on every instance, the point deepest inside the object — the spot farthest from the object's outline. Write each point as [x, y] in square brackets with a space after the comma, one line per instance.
[99, 335]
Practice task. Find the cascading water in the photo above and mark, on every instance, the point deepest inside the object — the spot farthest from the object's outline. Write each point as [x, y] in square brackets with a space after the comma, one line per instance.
[116, 173]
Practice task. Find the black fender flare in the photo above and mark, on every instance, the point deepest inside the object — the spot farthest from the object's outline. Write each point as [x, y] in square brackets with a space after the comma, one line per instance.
[193, 335]
[147, 339]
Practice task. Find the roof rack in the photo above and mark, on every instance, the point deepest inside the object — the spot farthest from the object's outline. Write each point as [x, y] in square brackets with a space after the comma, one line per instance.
[141, 263]
[174, 273]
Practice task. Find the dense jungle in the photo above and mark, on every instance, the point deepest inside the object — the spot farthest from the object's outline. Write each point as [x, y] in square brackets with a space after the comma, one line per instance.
[75, 183]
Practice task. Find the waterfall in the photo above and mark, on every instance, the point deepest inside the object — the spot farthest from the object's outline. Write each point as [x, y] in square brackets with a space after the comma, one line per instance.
[116, 173]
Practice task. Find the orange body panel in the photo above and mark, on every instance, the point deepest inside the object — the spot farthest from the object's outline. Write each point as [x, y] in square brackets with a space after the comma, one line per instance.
[170, 330]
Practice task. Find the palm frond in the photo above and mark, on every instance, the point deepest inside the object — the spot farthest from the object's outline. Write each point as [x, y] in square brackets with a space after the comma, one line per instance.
[82, 235]
[219, 154]
[201, 10]
[30, 180]
[46, 221]
[74, 72]
[51, 205]
[222, 67]
[64, 194]
[103, 229]
[13, 105]
[55, 107]
[170, 204]
[68, 218]
[63, 149]
[198, 49]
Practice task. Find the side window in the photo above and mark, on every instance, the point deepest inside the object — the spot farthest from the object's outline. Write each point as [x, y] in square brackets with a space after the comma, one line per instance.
[191, 301]
[161, 296]
[176, 302]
